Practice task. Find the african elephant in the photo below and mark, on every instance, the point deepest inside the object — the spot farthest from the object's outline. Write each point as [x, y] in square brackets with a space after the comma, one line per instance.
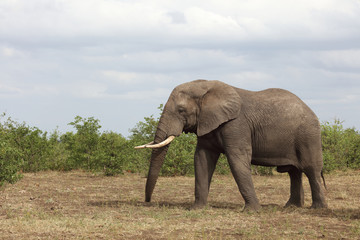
[268, 128]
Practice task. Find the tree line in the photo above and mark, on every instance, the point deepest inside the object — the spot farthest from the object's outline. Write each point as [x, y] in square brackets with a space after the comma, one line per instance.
[28, 149]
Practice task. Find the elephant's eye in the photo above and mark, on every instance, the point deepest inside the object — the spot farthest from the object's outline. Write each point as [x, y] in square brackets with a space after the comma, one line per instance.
[182, 110]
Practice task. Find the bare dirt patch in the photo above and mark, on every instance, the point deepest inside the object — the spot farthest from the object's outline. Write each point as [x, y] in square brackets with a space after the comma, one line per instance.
[79, 205]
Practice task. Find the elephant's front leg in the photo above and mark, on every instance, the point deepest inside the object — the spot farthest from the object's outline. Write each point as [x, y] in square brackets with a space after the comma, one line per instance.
[205, 162]
[240, 164]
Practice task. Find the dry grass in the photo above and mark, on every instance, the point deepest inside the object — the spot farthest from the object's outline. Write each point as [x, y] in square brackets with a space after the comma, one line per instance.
[78, 205]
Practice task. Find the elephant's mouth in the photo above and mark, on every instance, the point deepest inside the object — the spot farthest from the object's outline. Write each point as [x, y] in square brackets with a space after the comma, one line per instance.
[189, 129]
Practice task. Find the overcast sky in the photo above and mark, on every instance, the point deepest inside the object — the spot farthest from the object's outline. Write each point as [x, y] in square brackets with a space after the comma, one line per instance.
[117, 60]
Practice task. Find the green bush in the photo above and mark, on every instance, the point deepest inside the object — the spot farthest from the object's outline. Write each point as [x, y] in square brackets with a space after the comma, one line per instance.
[68, 160]
[180, 156]
[28, 149]
[222, 166]
[84, 143]
[352, 151]
[341, 147]
[136, 161]
[33, 145]
[59, 155]
[30, 143]
[9, 162]
[110, 156]
[91, 150]
[142, 133]
[10, 157]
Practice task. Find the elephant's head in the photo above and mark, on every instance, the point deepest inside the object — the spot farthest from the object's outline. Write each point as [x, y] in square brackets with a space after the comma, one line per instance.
[198, 107]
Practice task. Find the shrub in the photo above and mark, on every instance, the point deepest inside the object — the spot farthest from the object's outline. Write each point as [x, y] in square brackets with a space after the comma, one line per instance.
[136, 161]
[84, 143]
[9, 162]
[28, 149]
[341, 147]
[222, 166]
[91, 150]
[60, 155]
[30, 143]
[110, 156]
[10, 157]
[352, 149]
[180, 156]
[33, 145]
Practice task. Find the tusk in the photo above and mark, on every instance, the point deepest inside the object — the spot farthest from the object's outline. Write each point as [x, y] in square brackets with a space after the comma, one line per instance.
[162, 144]
[158, 145]
[144, 146]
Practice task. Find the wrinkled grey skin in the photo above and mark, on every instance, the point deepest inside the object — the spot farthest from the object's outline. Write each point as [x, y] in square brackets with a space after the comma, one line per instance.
[268, 128]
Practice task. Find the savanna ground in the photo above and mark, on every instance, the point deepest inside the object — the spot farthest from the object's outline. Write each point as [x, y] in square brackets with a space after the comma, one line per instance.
[79, 205]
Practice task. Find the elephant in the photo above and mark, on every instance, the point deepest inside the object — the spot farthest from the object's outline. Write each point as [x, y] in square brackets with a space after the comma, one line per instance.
[272, 127]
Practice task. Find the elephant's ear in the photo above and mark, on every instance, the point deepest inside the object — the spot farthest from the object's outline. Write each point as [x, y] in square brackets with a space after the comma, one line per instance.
[220, 104]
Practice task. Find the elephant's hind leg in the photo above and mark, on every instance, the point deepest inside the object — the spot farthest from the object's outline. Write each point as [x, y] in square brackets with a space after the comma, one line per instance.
[309, 154]
[312, 167]
[317, 192]
[296, 188]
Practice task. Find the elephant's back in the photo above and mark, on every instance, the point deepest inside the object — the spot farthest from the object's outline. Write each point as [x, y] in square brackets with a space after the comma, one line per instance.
[282, 107]
[282, 100]
[278, 95]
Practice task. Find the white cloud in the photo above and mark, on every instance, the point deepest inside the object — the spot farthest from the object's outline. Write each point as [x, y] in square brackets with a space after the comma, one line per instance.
[156, 95]
[7, 52]
[9, 91]
[126, 52]
[341, 59]
[28, 89]
[157, 21]
[206, 23]
[87, 89]
[250, 80]
[121, 77]
[10, 52]
[69, 18]
[177, 17]
[344, 99]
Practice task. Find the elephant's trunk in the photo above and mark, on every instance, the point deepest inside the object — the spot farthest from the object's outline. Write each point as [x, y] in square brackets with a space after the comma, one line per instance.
[168, 128]
[157, 159]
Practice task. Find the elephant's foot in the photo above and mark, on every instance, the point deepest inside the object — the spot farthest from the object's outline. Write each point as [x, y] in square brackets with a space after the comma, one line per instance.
[320, 204]
[295, 203]
[252, 207]
[197, 206]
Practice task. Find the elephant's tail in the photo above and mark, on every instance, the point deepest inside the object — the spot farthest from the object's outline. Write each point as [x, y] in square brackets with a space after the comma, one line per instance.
[322, 175]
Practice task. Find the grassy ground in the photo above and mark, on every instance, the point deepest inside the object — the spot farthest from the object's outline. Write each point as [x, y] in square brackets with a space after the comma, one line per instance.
[78, 205]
